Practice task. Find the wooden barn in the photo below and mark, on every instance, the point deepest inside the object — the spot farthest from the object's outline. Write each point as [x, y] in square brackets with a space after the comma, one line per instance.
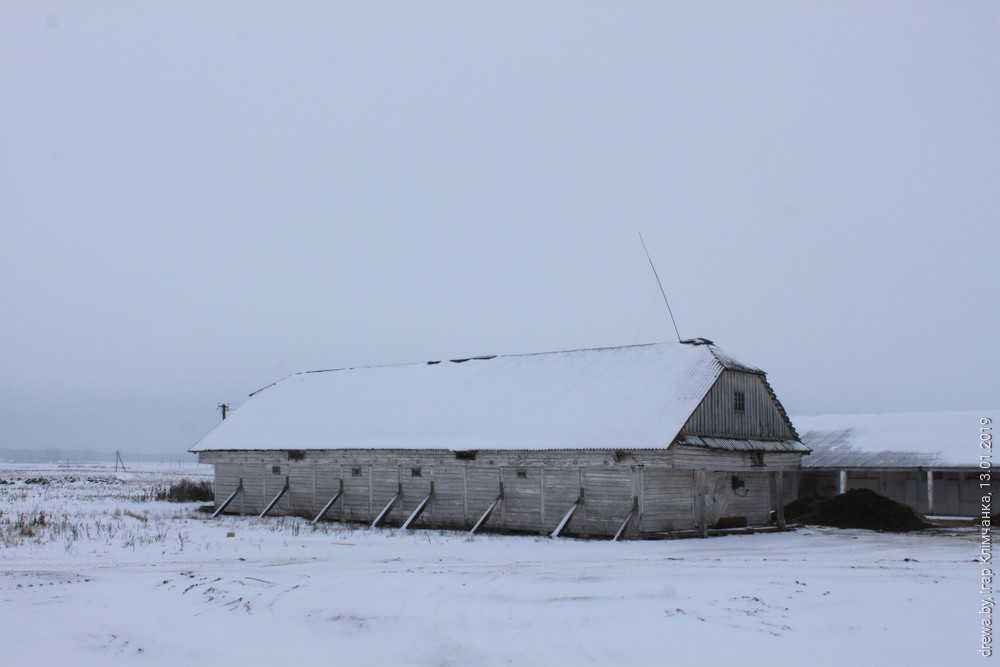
[634, 441]
[928, 460]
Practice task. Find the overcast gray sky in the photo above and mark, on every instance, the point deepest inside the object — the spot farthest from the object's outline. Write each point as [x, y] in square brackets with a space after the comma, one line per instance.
[199, 198]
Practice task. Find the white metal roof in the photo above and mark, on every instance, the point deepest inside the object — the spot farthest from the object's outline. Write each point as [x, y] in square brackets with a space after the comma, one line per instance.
[895, 440]
[637, 396]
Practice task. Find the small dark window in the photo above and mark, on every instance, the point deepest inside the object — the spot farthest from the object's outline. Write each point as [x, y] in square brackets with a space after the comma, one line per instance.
[296, 454]
[415, 472]
[757, 459]
[739, 401]
[275, 470]
[522, 473]
[466, 455]
[355, 472]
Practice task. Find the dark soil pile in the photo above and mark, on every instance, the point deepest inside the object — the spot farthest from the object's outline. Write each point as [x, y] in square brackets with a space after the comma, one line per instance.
[858, 508]
[800, 508]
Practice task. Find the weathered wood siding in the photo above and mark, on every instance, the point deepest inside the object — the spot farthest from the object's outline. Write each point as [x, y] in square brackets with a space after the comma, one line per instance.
[609, 493]
[701, 458]
[753, 500]
[447, 508]
[327, 477]
[482, 488]
[666, 500]
[385, 485]
[228, 476]
[274, 477]
[521, 508]
[253, 488]
[301, 495]
[560, 489]
[357, 503]
[415, 489]
[717, 416]
[538, 487]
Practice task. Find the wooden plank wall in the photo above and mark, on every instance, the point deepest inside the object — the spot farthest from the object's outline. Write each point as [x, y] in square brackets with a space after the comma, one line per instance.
[253, 499]
[448, 506]
[521, 508]
[753, 501]
[301, 495]
[357, 502]
[560, 487]
[275, 477]
[538, 489]
[609, 492]
[667, 499]
[227, 479]
[711, 459]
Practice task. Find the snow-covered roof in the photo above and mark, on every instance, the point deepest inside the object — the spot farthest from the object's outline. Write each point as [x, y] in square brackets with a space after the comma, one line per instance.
[897, 440]
[638, 396]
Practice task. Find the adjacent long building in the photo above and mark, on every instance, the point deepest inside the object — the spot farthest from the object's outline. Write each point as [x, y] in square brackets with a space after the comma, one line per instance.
[932, 461]
[628, 441]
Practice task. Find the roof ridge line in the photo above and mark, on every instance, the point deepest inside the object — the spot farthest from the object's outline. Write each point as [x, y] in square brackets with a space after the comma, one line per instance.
[483, 357]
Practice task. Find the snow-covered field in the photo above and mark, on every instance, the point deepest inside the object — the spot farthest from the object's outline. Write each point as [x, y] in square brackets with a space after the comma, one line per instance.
[110, 576]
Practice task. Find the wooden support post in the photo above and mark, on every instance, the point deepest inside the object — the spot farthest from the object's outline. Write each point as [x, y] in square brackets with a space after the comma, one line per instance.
[228, 500]
[631, 513]
[275, 500]
[930, 492]
[641, 492]
[327, 507]
[701, 500]
[420, 508]
[779, 513]
[371, 489]
[568, 516]
[503, 506]
[541, 495]
[465, 493]
[489, 510]
[842, 482]
[388, 508]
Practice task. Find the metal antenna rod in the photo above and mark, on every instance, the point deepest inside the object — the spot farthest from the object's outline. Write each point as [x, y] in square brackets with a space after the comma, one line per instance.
[655, 275]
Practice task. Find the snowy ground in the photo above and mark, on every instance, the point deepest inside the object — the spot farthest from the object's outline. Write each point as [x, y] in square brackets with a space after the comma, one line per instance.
[111, 576]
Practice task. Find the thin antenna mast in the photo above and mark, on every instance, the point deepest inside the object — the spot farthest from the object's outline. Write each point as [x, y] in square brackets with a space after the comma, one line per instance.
[655, 275]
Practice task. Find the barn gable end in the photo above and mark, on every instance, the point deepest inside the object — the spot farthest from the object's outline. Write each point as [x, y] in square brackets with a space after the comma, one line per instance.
[740, 405]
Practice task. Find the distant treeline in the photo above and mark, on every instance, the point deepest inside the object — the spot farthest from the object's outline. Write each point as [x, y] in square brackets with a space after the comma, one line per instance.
[83, 456]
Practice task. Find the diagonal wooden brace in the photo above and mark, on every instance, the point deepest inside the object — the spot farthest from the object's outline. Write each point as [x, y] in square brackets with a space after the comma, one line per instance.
[275, 500]
[327, 507]
[229, 499]
[568, 516]
[486, 515]
[420, 508]
[388, 508]
[631, 513]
